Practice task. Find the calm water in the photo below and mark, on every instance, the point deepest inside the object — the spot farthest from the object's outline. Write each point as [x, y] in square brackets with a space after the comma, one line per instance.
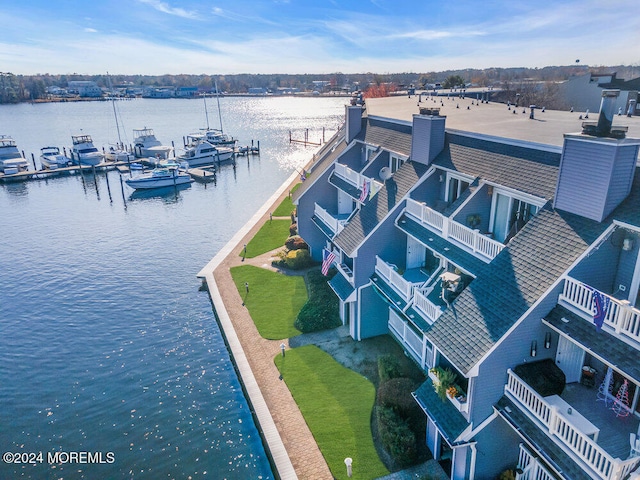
[106, 344]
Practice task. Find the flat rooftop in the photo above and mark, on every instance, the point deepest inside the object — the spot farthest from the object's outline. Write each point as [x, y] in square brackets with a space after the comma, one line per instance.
[495, 119]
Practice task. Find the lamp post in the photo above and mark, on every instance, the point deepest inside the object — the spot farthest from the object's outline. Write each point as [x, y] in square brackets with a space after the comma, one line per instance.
[348, 461]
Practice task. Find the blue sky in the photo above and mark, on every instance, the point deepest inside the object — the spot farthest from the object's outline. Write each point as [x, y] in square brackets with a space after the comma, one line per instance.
[294, 36]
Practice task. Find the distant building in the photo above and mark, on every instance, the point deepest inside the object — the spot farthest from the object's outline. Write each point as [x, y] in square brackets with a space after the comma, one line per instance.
[585, 91]
[84, 88]
[257, 91]
[159, 92]
[186, 92]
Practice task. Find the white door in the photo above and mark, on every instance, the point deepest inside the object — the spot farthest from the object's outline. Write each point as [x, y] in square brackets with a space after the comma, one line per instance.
[345, 203]
[570, 359]
[415, 253]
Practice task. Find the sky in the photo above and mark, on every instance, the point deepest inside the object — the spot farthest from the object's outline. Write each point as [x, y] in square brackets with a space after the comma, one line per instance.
[156, 37]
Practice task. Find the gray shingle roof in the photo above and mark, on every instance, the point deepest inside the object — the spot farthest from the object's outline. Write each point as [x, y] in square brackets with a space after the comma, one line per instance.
[449, 420]
[621, 355]
[389, 135]
[507, 165]
[376, 209]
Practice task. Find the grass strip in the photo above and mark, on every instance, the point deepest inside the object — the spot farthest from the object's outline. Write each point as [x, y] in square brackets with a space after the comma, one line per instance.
[271, 235]
[273, 299]
[336, 403]
[286, 206]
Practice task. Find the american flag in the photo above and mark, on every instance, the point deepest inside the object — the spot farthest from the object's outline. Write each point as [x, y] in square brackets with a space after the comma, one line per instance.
[365, 191]
[601, 304]
[327, 259]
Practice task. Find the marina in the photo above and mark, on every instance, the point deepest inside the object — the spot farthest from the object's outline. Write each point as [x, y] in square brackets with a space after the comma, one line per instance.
[121, 352]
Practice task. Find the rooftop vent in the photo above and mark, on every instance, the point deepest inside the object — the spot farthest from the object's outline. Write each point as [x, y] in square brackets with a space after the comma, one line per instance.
[430, 111]
[605, 119]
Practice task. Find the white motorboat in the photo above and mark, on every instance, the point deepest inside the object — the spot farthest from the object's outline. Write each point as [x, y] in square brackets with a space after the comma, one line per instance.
[158, 178]
[145, 144]
[83, 152]
[118, 154]
[204, 153]
[51, 158]
[11, 160]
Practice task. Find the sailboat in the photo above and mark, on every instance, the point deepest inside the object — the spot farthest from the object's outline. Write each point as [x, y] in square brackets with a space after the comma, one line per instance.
[215, 136]
[117, 153]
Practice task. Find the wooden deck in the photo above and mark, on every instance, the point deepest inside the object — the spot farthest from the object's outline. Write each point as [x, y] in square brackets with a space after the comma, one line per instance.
[614, 431]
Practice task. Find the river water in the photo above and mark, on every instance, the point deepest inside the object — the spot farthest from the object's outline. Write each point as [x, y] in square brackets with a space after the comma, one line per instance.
[107, 345]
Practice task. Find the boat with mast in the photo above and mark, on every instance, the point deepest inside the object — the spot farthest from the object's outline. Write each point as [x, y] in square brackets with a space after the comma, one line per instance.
[118, 152]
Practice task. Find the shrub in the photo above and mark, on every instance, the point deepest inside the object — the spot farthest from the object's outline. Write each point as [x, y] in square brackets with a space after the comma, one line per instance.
[298, 259]
[321, 310]
[446, 378]
[397, 438]
[389, 367]
[507, 475]
[295, 242]
[293, 229]
[396, 394]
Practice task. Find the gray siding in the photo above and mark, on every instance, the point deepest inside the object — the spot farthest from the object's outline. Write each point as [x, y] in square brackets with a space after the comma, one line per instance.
[388, 242]
[429, 191]
[514, 350]
[374, 314]
[585, 171]
[622, 177]
[428, 138]
[373, 169]
[494, 456]
[479, 204]
[353, 120]
[599, 269]
[353, 157]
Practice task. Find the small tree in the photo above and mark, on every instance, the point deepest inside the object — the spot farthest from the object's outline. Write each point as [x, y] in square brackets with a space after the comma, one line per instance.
[453, 81]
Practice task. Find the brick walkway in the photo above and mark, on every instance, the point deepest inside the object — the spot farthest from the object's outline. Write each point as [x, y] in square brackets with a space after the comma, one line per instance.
[297, 439]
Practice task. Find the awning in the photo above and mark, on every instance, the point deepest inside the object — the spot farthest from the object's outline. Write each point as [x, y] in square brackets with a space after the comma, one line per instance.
[342, 288]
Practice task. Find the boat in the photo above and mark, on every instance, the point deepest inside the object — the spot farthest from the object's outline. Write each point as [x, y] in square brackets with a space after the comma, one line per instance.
[145, 144]
[51, 158]
[11, 160]
[158, 178]
[117, 153]
[83, 152]
[200, 152]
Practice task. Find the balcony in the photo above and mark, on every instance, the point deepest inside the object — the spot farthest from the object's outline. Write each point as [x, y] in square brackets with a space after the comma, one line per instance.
[597, 441]
[354, 178]
[471, 240]
[330, 224]
[415, 344]
[530, 468]
[403, 285]
[622, 318]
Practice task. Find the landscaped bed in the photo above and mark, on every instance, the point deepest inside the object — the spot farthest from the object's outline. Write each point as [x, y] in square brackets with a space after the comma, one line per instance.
[273, 299]
[336, 403]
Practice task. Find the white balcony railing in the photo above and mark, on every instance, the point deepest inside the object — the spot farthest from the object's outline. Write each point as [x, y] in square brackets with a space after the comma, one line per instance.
[403, 287]
[576, 442]
[356, 179]
[621, 317]
[329, 220]
[473, 240]
[426, 307]
[531, 468]
[415, 344]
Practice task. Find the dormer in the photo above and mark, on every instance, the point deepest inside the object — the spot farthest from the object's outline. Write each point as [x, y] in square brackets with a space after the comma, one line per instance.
[597, 166]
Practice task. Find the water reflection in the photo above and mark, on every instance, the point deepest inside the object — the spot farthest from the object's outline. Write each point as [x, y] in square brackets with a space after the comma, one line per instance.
[168, 195]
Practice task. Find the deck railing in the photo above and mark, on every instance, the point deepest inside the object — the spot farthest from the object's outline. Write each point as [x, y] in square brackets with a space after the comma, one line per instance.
[576, 442]
[356, 179]
[531, 468]
[329, 220]
[425, 306]
[447, 228]
[403, 287]
[621, 317]
[415, 344]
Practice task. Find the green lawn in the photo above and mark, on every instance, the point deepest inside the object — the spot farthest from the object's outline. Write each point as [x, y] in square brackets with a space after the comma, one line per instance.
[274, 300]
[336, 403]
[286, 206]
[272, 235]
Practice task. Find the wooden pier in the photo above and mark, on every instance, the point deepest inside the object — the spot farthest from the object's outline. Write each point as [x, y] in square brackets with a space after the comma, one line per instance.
[45, 173]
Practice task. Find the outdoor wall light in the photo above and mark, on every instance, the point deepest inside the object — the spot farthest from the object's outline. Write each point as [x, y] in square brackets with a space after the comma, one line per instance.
[627, 244]
[490, 190]
[534, 348]
[547, 340]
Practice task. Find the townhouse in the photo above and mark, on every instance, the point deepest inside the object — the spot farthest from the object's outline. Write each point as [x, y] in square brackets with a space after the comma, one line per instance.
[485, 256]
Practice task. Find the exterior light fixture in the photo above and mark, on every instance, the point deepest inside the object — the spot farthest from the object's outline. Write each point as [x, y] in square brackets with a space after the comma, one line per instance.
[547, 340]
[534, 348]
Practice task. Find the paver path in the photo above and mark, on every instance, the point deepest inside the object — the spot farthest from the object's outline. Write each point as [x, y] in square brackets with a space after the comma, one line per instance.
[303, 451]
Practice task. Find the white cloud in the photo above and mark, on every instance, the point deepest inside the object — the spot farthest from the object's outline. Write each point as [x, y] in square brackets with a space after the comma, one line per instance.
[166, 8]
[90, 30]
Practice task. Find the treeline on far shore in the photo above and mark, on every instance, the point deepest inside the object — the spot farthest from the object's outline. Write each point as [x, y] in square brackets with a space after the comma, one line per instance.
[15, 88]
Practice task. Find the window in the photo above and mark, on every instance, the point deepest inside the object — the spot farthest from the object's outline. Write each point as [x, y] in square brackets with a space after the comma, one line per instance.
[510, 215]
[455, 187]
[370, 151]
[395, 162]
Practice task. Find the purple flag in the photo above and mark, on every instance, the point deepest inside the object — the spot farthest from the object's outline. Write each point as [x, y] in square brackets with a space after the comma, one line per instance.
[601, 304]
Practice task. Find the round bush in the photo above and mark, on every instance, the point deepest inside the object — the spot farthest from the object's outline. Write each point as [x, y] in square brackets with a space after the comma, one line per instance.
[298, 259]
[389, 367]
[295, 242]
[397, 438]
